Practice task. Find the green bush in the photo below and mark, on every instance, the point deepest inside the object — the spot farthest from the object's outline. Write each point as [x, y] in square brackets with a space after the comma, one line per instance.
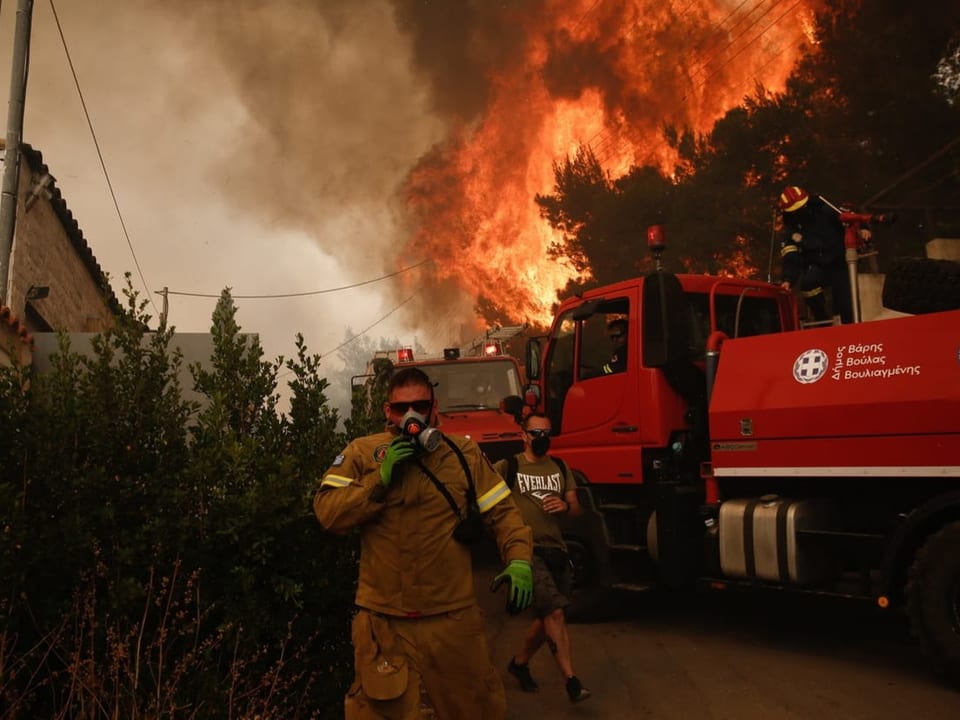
[160, 558]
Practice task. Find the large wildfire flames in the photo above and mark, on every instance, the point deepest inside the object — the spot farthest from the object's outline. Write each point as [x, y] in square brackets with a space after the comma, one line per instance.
[607, 74]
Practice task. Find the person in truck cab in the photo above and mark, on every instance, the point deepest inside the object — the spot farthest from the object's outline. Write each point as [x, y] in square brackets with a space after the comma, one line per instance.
[617, 331]
[419, 498]
[813, 254]
[544, 488]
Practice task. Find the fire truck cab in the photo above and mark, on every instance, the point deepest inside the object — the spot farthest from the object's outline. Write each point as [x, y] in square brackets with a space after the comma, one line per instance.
[471, 386]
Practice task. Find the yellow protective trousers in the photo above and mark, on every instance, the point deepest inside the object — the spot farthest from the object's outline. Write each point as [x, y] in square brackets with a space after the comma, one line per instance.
[447, 652]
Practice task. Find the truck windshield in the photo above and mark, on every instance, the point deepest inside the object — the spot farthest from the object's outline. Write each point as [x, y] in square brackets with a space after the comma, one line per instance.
[474, 385]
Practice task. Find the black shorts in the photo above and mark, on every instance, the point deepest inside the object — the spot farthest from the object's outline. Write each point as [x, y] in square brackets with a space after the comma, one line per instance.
[551, 582]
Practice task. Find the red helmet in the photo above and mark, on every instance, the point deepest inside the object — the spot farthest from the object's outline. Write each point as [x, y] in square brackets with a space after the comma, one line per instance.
[793, 198]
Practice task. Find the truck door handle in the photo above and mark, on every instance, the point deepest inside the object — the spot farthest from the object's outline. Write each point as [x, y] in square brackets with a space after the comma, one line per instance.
[625, 428]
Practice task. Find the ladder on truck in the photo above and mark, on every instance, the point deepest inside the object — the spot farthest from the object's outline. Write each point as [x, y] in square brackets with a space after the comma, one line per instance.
[495, 336]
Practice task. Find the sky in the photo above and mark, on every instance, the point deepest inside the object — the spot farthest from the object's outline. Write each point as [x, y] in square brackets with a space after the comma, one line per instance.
[251, 145]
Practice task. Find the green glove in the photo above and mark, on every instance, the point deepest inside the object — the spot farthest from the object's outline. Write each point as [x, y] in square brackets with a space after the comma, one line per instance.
[520, 575]
[401, 448]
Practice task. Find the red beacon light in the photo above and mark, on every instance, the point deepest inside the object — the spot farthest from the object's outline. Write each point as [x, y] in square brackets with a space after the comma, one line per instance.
[405, 355]
[491, 348]
[656, 243]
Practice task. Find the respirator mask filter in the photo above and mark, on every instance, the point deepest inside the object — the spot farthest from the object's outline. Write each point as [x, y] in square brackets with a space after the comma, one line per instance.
[414, 425]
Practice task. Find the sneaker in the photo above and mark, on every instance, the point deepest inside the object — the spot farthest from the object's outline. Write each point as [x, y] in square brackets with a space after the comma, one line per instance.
[576, 691]
[522, 673]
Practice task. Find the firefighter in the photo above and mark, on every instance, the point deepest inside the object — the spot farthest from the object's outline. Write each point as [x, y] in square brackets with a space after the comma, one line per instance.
[544, 489]
[418, 617]
[813, 253]
[617, 331]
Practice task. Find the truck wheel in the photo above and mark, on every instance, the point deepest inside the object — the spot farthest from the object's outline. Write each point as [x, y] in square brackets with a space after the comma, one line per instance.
[586, 593]
[922, 285]
[933, 600]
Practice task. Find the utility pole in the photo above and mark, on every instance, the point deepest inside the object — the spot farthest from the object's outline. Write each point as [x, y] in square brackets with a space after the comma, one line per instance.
[11, 158]
[166, 307]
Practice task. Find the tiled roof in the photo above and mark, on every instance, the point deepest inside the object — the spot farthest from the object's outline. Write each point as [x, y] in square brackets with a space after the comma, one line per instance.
[70, 226]
[8, 319]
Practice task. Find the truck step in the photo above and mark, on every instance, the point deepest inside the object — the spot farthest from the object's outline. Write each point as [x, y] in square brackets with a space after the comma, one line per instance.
[616, 507]
[632, 587]
[627, 548]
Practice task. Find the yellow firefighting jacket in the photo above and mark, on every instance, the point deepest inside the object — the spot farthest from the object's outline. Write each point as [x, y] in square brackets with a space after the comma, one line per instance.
[410, 564]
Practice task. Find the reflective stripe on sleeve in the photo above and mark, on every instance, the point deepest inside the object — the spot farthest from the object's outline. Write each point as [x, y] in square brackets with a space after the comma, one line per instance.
[787, 249]
[336, 481]
[493, 496]
[812, 293]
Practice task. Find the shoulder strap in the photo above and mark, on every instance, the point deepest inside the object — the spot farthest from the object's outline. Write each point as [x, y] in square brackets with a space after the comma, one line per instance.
[512, 465]
[560, 464]
[471, 490]
[439, 485]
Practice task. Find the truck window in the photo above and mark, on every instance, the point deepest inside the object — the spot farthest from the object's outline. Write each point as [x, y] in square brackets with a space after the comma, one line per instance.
[578, 351]
[596, 346]
[758, 316]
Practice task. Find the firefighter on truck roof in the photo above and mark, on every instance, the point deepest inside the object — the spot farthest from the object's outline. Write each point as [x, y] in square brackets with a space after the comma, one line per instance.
[418, 498]
[813, 254]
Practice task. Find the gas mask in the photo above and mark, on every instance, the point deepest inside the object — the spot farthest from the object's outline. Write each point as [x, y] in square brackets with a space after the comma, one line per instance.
[416, 426]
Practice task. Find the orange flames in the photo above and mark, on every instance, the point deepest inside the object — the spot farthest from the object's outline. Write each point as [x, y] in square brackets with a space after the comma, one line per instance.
[604, 73]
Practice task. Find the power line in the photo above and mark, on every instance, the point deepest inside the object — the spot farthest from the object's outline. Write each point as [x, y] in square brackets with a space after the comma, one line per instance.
[682, 14]
[606, 147]
[584, 16]
[298, 294]
[730, 30]
[760, 35]
[911, 172]
[359, 334]
[370, 327]
[103, 166]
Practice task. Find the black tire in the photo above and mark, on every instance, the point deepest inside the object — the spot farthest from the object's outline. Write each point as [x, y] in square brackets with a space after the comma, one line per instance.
[933, 600]
[921, 285]
[586, 595]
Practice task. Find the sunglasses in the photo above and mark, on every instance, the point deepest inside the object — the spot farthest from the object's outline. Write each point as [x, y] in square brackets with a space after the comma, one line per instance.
[419, 406]
[538, 433]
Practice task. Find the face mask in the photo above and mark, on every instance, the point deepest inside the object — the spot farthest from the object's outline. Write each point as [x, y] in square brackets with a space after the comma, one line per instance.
[540, 445]
[416, 426]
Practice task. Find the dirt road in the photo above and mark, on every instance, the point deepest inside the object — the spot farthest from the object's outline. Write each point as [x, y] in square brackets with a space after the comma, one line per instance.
[729, 656]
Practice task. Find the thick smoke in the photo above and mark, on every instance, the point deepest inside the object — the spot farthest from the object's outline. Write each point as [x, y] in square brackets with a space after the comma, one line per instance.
[344, 98]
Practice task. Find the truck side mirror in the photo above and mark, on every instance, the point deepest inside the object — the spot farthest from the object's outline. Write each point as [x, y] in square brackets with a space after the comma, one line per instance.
[664, 321]
[532, 359]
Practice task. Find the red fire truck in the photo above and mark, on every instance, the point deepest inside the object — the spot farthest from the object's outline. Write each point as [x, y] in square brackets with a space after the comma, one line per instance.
[470, 385]
[737, 450]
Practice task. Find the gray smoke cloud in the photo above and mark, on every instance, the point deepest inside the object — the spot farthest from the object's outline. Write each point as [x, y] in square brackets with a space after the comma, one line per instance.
[255, 145]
